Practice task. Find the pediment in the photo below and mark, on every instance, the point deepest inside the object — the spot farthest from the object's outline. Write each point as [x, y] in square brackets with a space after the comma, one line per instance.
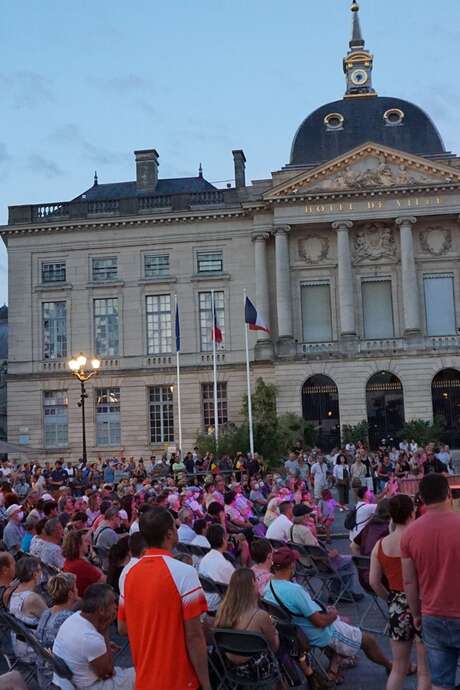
[367, 167]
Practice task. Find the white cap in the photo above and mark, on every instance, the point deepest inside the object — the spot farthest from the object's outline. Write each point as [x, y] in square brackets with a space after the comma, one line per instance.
[12, 510]
[47, 497]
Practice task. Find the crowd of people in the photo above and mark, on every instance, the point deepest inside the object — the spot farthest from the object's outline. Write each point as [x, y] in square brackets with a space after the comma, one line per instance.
[85, 545]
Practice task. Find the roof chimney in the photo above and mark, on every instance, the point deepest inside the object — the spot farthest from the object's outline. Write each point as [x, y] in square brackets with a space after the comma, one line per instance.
[239, 162]
[146, 170]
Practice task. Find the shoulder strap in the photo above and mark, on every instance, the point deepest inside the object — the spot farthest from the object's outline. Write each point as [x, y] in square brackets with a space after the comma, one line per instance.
[280, 603]
[98, 534]
[292, 533]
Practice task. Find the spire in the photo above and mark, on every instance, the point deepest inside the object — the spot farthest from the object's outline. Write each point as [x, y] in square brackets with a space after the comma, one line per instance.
[358, 62]
[357, 40]
[200, 171]
[95, 183]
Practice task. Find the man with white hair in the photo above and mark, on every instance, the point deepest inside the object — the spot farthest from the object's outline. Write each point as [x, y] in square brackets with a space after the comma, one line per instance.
[186, 533]
[14, 531]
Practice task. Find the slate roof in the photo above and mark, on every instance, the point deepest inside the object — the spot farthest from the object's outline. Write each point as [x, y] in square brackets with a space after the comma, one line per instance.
[363, 122]
[124, 190]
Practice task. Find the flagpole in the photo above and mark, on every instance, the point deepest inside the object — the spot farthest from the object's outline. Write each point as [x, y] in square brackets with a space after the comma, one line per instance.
[214, 363]
[248, 381]
[179, 405]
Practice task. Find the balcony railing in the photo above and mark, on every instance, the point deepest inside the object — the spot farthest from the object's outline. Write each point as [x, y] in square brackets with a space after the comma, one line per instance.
[59, 211]
[383, 345]
[317, 348]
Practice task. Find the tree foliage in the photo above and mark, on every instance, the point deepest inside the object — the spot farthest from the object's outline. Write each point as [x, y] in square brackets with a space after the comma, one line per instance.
[352, 433]
[422, 431]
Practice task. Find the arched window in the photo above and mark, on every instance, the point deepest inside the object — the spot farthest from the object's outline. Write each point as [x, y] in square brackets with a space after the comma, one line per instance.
[320, 405]
[445, 394]
[385, 407]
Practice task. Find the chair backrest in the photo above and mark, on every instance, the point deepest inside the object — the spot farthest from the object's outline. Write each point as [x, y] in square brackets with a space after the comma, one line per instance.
[14, 625]
[274, 611]
[198, 551]
[320, 560]
[240, 642]
[276, 543]
[212, 587]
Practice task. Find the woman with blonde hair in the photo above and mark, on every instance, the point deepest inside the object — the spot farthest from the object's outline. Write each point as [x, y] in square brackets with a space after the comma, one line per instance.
[239, 610]
[62, 588]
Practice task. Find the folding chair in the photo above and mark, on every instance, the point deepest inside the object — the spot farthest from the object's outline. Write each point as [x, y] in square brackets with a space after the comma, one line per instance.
[330, 578]
[58, 665]
[303, 571]
[276, 543]
[191, 549]
[213, 587]
[362, 564]
[250, 646]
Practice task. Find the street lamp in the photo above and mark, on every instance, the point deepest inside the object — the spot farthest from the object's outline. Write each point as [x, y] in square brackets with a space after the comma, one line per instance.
[78, 367]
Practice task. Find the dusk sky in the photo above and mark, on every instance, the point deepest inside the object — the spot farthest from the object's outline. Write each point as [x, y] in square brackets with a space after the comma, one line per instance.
[84, 84]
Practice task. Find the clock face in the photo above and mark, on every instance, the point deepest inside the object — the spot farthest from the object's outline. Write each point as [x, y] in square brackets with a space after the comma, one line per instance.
[359, 77]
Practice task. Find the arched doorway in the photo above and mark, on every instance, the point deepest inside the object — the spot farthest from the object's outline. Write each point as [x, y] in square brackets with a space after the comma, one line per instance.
[445, 394]
[385, 407]
[320, 405]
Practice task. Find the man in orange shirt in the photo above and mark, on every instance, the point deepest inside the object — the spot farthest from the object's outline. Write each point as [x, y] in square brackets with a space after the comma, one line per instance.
[160, 608]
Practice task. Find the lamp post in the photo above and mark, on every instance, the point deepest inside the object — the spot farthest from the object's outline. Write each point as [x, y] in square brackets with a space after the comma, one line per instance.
[83, 373]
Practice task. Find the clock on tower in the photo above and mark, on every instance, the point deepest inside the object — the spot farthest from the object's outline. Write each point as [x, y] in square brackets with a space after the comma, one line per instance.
[358, 62]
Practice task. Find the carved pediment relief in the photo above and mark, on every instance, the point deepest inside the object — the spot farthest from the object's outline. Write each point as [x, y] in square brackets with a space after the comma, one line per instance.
[313, 249]
[436, 241]
[374, 242]
[370, 166]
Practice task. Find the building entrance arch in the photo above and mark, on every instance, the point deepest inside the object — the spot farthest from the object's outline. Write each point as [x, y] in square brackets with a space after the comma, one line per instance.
[385, 407]
[320, 407]
[445, 395]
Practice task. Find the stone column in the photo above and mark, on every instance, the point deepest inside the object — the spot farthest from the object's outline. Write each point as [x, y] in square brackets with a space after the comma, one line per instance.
[264, 347]
[411, 309]
[283, 285]
[345, 278]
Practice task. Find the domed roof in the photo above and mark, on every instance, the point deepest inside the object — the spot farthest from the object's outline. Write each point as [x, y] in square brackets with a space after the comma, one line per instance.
[320, 139]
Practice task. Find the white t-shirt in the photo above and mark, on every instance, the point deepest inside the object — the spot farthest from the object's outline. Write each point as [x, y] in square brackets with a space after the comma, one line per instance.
[200, 540]
[78, 643]
[364, 512]
[134, 527]
[217, 568]
[280, 529]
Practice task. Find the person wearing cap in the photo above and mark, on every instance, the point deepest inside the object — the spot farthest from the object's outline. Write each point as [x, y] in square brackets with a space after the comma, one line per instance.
[280, 528]
[300, 532]
[14, 531]
[323, 629]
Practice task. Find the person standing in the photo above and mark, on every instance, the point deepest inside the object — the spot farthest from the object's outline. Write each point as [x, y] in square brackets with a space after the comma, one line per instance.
[160, 611]
[430, 550]
[319, 476]
[387, 582]
[341, 475]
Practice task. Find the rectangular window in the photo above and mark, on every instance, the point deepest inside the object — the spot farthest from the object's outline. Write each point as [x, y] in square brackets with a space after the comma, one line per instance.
[316, 313]
[210, 262]
[156, 265]
[55, 419]
[377, 309]
[161, 414]
[53, 272]
[207, 395]
[108, 417]
[439, 304]
[206, 319]
[104, 268]
[54, 327]
[158, 313]
[106, 327]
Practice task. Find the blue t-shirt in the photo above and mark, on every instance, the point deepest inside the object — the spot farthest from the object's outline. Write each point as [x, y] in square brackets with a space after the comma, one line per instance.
[297, 600]
[25, 542]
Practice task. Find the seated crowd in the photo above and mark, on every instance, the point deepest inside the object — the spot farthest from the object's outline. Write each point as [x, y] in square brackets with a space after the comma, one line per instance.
[168, 551]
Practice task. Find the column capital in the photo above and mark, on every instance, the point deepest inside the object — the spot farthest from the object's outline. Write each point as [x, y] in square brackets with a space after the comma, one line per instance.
[406, 220]
[281, 229]
[260, 235]
[342, 225]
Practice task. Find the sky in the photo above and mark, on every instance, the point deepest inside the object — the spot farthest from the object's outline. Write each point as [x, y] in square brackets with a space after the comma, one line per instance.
[84, 84]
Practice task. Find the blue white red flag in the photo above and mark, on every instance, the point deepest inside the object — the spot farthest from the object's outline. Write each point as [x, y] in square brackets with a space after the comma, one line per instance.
[177, 329]
[216, 332]
[253, 318]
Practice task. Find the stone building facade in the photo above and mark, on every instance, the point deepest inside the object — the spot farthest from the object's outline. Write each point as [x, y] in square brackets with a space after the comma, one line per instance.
[350, 251]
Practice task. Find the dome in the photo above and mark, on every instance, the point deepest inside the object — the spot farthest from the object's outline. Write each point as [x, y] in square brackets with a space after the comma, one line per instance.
[340, 126]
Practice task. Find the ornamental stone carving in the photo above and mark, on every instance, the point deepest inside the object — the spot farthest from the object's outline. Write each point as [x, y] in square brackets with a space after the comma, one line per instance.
[436, 241]
[373, 242]
[313, 249]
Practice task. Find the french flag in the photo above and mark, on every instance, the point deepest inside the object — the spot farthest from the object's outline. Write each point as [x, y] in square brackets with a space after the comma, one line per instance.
[254, 318]
[216, 332]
